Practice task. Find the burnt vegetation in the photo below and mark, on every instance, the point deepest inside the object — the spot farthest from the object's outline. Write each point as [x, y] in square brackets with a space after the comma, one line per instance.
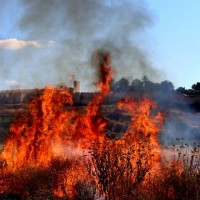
[124, 165]
[114, 171]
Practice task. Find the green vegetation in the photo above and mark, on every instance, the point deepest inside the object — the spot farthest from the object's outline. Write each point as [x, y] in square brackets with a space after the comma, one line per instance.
[141, 86]
[145, 85]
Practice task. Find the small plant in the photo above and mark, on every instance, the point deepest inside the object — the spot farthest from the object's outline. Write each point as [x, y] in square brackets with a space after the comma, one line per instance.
[178, 179]
[120, 168]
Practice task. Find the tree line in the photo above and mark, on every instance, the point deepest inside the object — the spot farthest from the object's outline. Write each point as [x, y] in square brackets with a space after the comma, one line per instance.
[145, 85]
[195, 90]
[139, 86]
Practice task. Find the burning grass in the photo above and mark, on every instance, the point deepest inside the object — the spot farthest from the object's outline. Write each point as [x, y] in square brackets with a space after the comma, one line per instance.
[55, 152]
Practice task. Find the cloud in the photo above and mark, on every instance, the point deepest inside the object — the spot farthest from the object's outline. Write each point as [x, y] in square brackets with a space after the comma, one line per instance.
[14, 44]
[11, 82]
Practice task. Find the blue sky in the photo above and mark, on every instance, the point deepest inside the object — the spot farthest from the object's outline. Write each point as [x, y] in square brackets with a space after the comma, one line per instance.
[170, 37]
[176, 34]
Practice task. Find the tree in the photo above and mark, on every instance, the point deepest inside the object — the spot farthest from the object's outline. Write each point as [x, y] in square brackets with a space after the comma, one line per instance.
[167, 86]
[181, 90]
[136, 85]
[121, 86]
[147, 84]
[196, 87]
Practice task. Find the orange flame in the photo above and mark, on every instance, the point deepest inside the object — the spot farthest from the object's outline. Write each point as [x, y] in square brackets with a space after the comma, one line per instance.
[53, 129]
[144, 126]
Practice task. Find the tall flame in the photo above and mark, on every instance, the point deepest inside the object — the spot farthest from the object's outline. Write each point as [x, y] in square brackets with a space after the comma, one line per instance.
[52, 129]
[35, 137]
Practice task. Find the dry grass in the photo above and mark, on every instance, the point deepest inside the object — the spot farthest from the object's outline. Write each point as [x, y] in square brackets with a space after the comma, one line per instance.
[115, 174]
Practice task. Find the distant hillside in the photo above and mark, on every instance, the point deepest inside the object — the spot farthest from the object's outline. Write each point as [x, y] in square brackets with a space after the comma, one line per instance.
[182, 112]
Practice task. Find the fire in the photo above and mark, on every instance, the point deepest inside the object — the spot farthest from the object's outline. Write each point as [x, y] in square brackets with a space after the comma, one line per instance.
[143, 133]
[103, 85]
[53, 131]
[144, 125]
[34, 134]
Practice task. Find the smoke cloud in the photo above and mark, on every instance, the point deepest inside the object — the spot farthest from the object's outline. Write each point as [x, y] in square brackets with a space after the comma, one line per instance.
[181, 124]
[77, 28]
